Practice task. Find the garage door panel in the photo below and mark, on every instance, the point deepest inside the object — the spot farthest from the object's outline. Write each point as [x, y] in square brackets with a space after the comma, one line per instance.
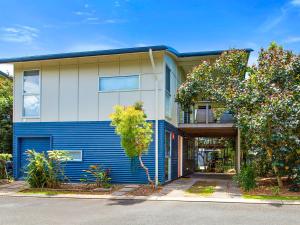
[39, 144]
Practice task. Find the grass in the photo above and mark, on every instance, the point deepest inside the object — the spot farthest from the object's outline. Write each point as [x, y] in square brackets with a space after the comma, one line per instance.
[271, 197]
[203, 188]
[57, 192]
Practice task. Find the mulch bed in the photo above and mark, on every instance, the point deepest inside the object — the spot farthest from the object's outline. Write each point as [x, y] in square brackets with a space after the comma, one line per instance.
[265, 187]
[144, 190]
[4, 181]
[76, 188]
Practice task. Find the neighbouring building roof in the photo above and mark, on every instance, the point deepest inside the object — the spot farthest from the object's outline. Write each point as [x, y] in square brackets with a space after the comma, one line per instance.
[5, 75]
[112, 52]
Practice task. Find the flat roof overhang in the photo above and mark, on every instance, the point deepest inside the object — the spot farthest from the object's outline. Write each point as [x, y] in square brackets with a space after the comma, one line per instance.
[209, 130]
[187, 55]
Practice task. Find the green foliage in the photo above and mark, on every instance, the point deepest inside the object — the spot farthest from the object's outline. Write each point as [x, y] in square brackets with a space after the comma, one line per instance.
[4, 158]
[37, 169]
[6, 112]
[246, 178]
[101, 176]
[265, 105]
[43, 171]
[135, 132]
[275, 190]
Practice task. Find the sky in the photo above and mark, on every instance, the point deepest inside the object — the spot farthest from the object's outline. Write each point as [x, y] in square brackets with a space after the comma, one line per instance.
[31, 27]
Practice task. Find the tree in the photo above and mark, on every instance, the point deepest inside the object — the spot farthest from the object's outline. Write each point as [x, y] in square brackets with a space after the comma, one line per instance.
[6, 112]
[265, 104]
[135, 132]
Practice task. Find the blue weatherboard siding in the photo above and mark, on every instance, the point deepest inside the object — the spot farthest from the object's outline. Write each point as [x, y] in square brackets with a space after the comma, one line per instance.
[100, 145]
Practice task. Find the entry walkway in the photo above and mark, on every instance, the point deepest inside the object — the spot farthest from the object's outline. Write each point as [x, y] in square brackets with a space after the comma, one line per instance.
[225, 188]
[13, 187]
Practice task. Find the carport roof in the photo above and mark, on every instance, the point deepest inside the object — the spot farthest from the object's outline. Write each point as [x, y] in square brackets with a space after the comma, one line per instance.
[112, 52]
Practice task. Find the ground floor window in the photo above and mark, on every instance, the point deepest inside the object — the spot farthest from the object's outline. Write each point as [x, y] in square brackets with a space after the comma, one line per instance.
[168, 154]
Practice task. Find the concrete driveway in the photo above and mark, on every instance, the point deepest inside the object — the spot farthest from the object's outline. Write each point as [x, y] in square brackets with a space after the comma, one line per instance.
[50, 211]
[225, 187]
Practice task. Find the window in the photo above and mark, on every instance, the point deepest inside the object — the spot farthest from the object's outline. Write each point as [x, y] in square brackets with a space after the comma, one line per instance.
[168, 96]
[31, 93]
[119, 83]
[168, 79]
[168, 144]
[76, 155]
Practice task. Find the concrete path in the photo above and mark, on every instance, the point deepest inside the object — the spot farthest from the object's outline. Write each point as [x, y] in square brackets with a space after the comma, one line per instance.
[13, 187]
[225, 187]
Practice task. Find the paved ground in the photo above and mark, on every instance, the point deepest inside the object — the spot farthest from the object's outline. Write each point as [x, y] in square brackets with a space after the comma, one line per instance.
[12, 187]
[50, 211]
[225, 187]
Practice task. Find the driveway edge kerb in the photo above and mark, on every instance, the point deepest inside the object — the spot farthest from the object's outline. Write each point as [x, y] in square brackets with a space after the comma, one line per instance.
[155, 198]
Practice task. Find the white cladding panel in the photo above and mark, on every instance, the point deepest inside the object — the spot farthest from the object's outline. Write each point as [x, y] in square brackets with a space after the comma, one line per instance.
[18, 95]
[50, 93]
[69, 88]
[88, 92]
[68, 103]
[106, 103]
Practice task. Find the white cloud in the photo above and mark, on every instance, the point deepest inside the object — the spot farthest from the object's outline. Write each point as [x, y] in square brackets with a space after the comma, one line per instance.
[117, 4]
[81, 13]
[291, 40]
[19, 34]
[295, 2]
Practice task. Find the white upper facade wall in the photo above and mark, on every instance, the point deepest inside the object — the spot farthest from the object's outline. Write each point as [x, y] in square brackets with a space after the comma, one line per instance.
[70, 87]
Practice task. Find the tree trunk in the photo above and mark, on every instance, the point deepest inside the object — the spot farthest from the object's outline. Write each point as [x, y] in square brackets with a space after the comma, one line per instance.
[275, 168]
[146, 170]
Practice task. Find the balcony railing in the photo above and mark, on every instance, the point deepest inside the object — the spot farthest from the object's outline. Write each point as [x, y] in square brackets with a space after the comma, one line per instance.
[205, 113]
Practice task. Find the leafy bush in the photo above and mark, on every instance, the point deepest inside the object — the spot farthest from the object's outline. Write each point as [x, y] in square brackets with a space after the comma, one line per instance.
[246, 178]
[43, 171]
[4, 158]
[37, 169]
[101, 176]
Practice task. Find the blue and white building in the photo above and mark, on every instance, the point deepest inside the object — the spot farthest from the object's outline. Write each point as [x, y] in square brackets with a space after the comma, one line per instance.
[63, 102]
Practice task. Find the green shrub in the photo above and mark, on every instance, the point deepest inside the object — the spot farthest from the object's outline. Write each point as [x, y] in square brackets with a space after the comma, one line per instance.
[246, 178]
[37, 169]
[275, 190]
[101, 176]
[46, 171]
[3, 160]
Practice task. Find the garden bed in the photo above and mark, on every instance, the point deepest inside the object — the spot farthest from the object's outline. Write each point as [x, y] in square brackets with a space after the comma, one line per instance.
[68, 188]
[267, 189]
[144, 190]
[4, 181]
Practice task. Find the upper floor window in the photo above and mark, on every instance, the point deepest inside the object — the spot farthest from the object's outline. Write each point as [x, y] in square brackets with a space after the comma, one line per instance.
[31, 93]
[168, 79]
[168, 97]
[119, 83]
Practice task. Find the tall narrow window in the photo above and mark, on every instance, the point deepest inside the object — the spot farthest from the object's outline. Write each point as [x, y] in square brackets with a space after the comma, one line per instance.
[168, 79]
[168, 106]
[31, 93]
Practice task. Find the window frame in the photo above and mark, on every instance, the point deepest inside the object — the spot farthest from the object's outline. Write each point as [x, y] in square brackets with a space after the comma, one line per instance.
[75, 160]
[168, 93]
[120, 90]
[31, 94]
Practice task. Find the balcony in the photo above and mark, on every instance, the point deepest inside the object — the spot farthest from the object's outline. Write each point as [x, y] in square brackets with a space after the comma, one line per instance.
[208, 120]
